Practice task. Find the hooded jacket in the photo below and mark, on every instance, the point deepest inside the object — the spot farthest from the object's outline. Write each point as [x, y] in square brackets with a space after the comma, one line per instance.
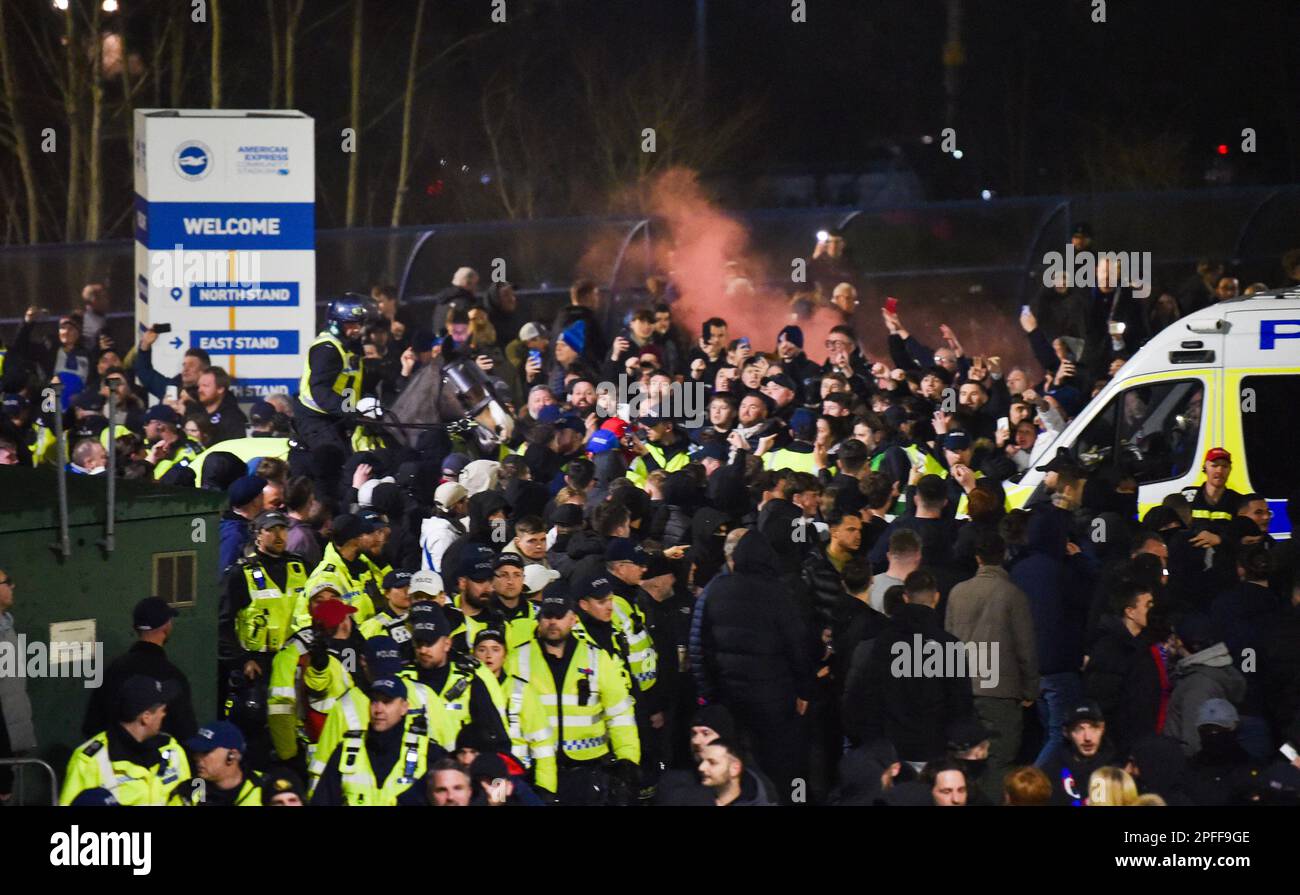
[1208, 674]
[752, 634]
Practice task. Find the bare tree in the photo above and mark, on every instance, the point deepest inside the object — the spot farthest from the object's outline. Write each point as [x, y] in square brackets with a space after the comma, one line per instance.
[273, 32]
[408, 100]
[19, 129]
[290, 41]
[214, 77]
[72, 87]
[354, 114]
[95, 186]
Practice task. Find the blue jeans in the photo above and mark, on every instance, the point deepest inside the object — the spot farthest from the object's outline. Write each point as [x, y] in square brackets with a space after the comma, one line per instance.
[1057, 694]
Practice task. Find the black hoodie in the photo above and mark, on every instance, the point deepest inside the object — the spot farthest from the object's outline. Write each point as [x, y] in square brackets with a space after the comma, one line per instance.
[754, 640]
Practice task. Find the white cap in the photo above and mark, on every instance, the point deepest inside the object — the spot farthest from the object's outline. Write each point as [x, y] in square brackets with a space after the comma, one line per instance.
[369, 407]
[426, 582]
[448, 494]
[536, 577]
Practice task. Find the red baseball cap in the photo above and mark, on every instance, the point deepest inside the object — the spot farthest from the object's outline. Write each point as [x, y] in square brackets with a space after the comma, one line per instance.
[1217, 453]
[330, 613]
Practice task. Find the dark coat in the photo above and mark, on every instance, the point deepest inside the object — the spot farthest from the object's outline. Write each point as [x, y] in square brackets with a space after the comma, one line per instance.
[150, 660]
[911, 712]
[1069, 771]
[1058, 599]
[753, 640]
[1123, 677]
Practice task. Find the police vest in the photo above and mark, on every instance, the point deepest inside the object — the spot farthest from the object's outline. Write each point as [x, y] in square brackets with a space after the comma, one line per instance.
[521, 628]
[300, 697]
[655, 458]
[246, 449]
[347, 385]
[183, 455]
[358, 778]
[531, 740]
[352, 713]
[263, 625]
[386, 624]
[333, 570]
[456, 690]
[131, 784]
[591, 712]
[799, 461]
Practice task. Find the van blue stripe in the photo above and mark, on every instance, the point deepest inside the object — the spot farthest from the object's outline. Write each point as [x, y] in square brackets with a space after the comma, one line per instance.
[280, 226]
[1280, 524]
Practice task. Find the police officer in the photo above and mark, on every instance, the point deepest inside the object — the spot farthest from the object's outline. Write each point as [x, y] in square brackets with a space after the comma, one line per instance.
[378, 530]
[471, 610]
[667, 449]
[1214, 506]
[133, 759]
[259, 596]
[593, 726]
[311, 671]
[529, 726]
[218, 751]
[329, 390]
[391, 620]
[343, 569]
[458, 678]
[383, 658]
[518, 614]
[169, 447]
[386, 762]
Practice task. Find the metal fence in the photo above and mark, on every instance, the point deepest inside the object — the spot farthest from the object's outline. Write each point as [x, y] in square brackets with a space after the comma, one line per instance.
[975, 252]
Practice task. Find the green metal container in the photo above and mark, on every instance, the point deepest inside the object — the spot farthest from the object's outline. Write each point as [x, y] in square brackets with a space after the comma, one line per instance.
[166, 543]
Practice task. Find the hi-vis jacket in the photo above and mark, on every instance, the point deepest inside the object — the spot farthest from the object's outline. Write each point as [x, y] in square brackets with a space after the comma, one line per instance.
[92, 767]
[300, 696]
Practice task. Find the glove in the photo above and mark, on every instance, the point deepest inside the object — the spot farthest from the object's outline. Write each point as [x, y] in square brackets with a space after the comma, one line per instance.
[319, 652]
[628, 773]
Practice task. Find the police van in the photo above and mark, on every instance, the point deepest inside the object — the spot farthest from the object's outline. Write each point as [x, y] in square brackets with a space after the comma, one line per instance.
[1225, 376]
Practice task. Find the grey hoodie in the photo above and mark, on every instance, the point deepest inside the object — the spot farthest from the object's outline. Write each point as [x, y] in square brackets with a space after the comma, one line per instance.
[1209, 674]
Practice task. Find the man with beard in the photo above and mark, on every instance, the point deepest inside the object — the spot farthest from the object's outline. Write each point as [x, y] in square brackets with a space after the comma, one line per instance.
[1083, 748]
[471, 609]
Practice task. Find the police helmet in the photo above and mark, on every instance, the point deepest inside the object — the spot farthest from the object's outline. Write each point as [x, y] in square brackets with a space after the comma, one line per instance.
[351, 308]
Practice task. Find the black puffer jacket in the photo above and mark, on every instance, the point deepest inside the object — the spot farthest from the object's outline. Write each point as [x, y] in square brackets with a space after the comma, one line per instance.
[824, 586]
[753, 637]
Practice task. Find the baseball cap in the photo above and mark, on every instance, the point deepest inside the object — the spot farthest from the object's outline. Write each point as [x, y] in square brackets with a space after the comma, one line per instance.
[383, 656]
[389, 687]
[372, 521]
[330, 613]
[98, 797]
[452, 464]
[14, 404]
[508, 559]
[217, 735]
[397, 578]
[549, 413]
[1217, 453]
[657, 564]
[448, 494]
[490, 634]
[478, 564]
[572, 423]
[139, 693]
[967, 734]
[269, 519]
[428, 623]
[783, 380]
[281, 781]
[602, 440]
[956, 441]
[488, 766]
[347, 527]
[161, 413]
[714, 450]
[261, 412]
[568, 515]
[1218, 713]
[152, 613]
[426, 582]
[537, 577]
[322, 586]
[244, 490]
[556, 602]
[533, 330]
[1070, 398]
[625, 550]
[1087, 710]
[597, 587]
[1060, 462]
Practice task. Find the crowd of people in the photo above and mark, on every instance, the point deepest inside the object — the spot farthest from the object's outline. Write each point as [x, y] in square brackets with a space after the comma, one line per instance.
[735, 607]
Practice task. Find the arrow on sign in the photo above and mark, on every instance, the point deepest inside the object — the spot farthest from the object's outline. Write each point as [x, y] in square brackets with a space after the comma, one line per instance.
[176, 342]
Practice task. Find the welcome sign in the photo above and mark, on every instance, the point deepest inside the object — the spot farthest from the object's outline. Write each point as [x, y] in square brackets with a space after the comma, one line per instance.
[225, 240]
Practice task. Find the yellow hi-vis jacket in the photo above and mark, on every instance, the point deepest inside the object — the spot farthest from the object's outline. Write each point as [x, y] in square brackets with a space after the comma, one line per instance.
[264, 624]
[360, 788]
[653, 459]
[90, 767]
[531, 740]
[352, 712]
[333, 570]
[347, 385]
[591, 713]
[301, 697]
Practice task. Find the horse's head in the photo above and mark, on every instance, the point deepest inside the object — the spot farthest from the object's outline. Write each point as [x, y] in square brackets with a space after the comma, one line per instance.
[479, 402]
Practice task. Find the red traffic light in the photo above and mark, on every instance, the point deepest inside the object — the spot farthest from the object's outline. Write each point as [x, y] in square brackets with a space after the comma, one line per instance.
[1223, 149]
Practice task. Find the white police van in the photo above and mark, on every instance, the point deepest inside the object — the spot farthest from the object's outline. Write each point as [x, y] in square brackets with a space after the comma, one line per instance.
[1225, 376]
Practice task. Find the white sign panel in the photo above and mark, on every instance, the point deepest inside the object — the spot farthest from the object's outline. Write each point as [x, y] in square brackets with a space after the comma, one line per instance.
[225, 237]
